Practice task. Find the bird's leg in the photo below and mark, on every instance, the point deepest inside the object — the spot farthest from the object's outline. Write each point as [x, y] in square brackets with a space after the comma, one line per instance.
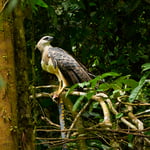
[62, 85]
[59, 91]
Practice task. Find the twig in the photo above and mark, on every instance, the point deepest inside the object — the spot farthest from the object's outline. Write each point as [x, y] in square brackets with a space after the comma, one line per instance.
[114, 111]
[124, 131]
[133, 104]
[44, 86]
[50, 122]
[38, 95]
[143, 112]
[4, 6]
[77, 117]
[100, 98]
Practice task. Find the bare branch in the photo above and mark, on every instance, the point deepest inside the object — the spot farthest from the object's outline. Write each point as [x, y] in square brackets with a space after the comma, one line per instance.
[50, 122]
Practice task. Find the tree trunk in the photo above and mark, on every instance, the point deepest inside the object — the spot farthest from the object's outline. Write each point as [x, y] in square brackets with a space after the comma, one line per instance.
[8, 97]
[25, 118]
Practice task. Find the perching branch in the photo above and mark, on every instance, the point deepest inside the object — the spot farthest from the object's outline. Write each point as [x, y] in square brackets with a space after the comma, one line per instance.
[131, 120]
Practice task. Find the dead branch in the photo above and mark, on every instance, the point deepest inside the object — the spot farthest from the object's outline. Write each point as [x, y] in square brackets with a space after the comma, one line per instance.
[50, 122]
[100, 98]
[132, 104]
[77, 117]
[38, 95]
[143, 112]
[134, 119]
[4, 6]
[134, 125]
[44, 86]
[114, 111]
[123, 131]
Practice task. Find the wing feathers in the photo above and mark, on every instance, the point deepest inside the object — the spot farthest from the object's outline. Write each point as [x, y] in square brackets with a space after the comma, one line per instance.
[70, 68]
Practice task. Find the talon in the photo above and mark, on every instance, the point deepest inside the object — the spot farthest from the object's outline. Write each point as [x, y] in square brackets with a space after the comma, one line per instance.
[55, 97]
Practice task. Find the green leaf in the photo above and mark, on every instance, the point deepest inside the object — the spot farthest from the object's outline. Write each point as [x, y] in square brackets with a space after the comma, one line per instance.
[130, 82]
[116, 86]
[119, 115]
[136, 91]
[146, 67]
[11, 5]
[92, 4]
[113, 74]
[71, 89]
[147, 133]
[105, 147]
[41, 3]
[89, 95]
[104, 87]
[130, 139]
[78, 102]
[99, 78]
[94, 114]
[130, 145]
[94, 105]
[94, 81]
[82, 85]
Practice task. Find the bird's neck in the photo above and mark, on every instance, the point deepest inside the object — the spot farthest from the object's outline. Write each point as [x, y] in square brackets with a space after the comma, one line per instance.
[44, 48]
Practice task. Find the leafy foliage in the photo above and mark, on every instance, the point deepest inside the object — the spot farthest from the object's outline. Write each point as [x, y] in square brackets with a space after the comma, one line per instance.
[112, 39]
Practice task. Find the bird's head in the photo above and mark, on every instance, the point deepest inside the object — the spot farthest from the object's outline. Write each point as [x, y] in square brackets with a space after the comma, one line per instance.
[44, 41]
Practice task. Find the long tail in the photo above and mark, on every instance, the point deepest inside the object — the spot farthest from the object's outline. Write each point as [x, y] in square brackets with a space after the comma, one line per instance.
[62, 120]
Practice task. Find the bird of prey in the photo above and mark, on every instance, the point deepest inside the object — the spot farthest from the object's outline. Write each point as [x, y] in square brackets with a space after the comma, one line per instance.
[57, 61]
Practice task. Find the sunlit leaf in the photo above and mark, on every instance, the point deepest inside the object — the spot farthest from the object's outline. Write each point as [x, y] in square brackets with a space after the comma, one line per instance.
[82, 85]
[119, 115]
[136, 91]
[71, 89]
[130, 145]
[77, 103]
[41, 3]
[130, 139]
[94, 114]
[116, 86]
[105, 147]
[146, 67]
[95, 143]
[11, 5]
[95, 105]
[90, 94]
[113, 74]
[99, 78]
[104, 87]
[130, 82]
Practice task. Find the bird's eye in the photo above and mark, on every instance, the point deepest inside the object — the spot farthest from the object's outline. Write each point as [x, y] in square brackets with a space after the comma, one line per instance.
[46, 38]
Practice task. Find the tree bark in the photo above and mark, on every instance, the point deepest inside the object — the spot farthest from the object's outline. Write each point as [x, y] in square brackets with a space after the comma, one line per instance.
[8, 97]
[25, 118]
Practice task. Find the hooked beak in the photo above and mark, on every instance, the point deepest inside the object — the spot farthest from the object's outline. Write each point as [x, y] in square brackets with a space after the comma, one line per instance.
[50, 38]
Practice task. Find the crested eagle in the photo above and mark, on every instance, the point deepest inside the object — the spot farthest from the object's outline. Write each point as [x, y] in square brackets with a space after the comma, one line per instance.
[57, 61]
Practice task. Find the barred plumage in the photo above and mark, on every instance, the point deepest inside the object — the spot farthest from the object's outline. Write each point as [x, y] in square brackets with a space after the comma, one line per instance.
[57, 61]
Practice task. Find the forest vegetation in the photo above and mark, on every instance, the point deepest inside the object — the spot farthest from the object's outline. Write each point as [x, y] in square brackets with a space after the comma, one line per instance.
[112, 39]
